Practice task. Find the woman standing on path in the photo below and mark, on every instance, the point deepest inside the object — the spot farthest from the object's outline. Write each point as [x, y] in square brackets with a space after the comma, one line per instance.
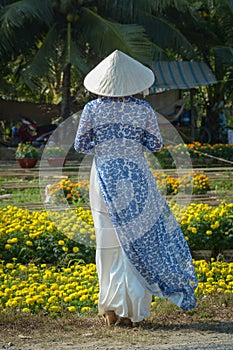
[140, 248]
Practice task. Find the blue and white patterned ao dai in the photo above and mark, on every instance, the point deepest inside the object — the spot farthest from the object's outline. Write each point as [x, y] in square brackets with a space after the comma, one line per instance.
[118, 131]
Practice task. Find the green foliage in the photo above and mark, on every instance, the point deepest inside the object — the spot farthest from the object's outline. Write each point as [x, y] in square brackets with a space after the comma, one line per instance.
[54, 152]
[196, 151]
[39, 237]
[207, 227]
[26, 150]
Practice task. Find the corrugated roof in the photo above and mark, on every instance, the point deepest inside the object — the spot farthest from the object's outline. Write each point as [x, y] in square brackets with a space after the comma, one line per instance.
[173, 75]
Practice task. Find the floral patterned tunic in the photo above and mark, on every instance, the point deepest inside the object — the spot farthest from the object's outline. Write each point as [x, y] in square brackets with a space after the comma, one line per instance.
[118, 131]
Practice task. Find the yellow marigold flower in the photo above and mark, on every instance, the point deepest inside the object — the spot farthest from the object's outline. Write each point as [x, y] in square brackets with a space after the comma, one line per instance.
[25, 309]
[75, 249]
[23, 267]
[83, 297]
[85, 309]
[51, 299]
[55, 308]
[209, 232]
[9, 266]
[29, 243]
[8, 246]
[61, 242]
[229, 277]
[14, 240]
[67, 299]
[71, 308]
[29, 301]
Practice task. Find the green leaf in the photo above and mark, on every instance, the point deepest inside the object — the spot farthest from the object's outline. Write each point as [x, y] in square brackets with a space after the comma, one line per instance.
[109, 36]
[18, 12]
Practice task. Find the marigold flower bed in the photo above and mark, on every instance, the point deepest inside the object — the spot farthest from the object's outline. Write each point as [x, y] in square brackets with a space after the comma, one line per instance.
[207, 227]
[197, 151]
[77, 193]
[46, 237]
[32, 288]
[55, 237]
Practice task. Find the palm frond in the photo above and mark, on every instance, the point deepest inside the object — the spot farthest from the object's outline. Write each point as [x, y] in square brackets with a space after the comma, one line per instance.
[230, 4]
[109, 36]
[77, 59]
[166, 35]
[47, 52]
[15, 14]
[128, 11]
[223, 55]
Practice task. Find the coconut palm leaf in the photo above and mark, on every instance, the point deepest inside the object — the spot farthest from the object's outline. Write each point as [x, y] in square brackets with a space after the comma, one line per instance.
[223, 55]
[109, 36]
[16, 13]
[230, 4]
[131, 10]
[166, 35]
[77, 58]
[40, 64]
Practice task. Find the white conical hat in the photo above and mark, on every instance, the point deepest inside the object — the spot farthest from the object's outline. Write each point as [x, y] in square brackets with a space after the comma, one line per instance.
[118, 75]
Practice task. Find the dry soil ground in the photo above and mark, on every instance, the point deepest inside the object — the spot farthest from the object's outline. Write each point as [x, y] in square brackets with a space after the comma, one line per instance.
[209, 326]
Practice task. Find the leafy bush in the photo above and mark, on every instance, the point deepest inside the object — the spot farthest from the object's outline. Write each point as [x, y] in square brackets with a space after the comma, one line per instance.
[78, 193]
[207, 227]
[51, 290]
[43, 237]
[26, 150]
[56, 237]
[65, 190]
[196, 151]
[199, 183]
[54, 152]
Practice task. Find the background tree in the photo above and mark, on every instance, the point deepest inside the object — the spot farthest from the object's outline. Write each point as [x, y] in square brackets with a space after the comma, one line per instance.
[55, 42]
[212, 39]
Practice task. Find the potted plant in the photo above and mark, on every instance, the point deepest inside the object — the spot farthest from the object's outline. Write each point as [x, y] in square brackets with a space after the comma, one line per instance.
[26, 155]
[55, 155]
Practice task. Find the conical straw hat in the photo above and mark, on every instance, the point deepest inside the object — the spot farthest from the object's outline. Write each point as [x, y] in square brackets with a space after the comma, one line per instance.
[118, 75]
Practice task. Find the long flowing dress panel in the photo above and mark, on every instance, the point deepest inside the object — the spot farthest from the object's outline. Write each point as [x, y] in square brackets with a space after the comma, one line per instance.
[119, 288]
[118, 131]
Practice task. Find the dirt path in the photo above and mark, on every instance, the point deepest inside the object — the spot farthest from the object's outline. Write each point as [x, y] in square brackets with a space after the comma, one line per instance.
[93, 334]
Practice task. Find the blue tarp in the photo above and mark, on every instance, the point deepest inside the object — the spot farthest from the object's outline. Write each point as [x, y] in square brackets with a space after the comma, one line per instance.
[174, 75]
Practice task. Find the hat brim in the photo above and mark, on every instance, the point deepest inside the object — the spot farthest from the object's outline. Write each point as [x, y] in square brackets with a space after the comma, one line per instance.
[119, 75]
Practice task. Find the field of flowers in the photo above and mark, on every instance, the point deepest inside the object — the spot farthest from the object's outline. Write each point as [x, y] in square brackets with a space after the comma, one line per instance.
[34, 236]
[197, 152]
[77, 193]
[207, 227]
[32, 288]
[47, 258]
[55, 237]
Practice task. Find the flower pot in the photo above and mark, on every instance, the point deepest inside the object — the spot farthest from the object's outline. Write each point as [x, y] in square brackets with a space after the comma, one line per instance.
[56, 162]
[27, 162]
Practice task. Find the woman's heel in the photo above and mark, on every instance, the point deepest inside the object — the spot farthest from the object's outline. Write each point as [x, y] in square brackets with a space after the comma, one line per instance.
[110, 318]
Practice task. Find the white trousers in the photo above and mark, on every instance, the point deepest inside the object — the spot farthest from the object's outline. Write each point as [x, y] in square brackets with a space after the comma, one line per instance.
[120, 290]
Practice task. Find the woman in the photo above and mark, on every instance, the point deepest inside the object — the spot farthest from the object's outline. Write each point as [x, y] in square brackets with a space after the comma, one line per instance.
[140, 248]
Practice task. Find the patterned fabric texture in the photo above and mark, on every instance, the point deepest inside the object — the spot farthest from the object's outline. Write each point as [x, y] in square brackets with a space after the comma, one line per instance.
[117, 131]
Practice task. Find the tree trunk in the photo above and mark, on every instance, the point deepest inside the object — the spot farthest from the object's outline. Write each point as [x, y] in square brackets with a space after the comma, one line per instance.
[65, 104]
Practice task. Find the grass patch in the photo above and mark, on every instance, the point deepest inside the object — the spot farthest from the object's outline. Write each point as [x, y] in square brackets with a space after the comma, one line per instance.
[217, 307]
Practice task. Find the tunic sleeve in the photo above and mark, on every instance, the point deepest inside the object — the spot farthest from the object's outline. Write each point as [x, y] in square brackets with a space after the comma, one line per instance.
[84, 138]
[152, 137]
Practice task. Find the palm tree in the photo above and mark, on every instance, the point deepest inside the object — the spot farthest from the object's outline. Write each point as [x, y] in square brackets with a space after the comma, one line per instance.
[212, 40]
[53, 34]
[62, 38]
